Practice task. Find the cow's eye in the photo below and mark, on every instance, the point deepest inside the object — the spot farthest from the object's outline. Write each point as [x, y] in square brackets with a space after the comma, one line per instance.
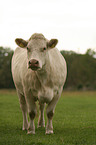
[44, 48]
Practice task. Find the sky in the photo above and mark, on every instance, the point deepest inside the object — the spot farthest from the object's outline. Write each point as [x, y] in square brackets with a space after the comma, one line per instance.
[72, 22]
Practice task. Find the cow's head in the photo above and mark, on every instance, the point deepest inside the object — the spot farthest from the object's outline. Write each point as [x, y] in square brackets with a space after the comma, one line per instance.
[37, 49]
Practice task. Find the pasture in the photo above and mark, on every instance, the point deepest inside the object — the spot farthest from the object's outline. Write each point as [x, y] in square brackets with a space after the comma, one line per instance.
[74, 121]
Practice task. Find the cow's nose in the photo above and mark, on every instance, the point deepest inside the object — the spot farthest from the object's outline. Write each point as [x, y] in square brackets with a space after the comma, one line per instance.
[33, 63]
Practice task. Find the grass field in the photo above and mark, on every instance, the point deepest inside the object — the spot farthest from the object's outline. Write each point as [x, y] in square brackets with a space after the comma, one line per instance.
[74, 121]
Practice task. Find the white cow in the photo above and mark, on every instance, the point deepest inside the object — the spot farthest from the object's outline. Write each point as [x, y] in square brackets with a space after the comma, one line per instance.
[39, 72]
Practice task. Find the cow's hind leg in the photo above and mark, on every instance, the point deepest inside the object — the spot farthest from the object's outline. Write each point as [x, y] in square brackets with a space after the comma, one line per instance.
[41, 121]
[24, 111]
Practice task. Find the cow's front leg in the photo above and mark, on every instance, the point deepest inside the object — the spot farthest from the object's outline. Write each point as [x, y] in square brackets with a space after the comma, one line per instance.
[50, 112]
[49, 126]
[31, 128]
[41, 121]
[32, 112]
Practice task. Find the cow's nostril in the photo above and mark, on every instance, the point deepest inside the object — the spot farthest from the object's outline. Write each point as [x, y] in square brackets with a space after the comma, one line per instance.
[29, 62]
[36, 62]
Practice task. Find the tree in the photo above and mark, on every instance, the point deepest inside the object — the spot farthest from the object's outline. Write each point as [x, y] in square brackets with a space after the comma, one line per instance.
[81, 70]
[5, 68]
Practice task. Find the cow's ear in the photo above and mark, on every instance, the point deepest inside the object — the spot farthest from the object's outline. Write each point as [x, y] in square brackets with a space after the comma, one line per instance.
[52, 43]
[20, 42]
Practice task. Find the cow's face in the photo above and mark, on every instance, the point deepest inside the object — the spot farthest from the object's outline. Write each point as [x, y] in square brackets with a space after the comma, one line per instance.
[37, 50]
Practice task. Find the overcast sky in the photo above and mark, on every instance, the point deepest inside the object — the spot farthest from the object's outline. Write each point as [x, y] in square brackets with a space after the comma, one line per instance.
[72, 22]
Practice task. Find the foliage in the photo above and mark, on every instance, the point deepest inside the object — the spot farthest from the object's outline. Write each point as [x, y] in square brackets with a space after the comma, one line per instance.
[5, 68]
[81, 70]
[74, 121]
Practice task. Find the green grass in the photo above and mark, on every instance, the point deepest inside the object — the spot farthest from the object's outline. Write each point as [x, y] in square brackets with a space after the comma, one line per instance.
[74, 121]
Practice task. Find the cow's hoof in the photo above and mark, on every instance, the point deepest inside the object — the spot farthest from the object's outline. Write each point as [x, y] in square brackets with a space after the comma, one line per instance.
[49, 132]
[43, 126]
[41, 123]
[31, 132]
[25, 128]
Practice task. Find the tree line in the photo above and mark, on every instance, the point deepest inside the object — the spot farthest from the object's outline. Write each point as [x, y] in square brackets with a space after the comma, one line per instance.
[5, 68]
[81, 69]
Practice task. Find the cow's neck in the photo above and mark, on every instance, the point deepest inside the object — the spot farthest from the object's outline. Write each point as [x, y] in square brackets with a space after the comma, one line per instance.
[43, 75]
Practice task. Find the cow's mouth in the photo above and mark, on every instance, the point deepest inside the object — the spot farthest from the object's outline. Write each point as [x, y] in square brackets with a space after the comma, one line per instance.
[35, 68]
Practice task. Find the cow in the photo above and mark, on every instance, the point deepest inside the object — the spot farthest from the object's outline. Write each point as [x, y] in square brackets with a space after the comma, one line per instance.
[39, 73]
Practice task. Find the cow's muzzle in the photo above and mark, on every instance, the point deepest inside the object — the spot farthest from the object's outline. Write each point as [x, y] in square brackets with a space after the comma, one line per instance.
[34, 64]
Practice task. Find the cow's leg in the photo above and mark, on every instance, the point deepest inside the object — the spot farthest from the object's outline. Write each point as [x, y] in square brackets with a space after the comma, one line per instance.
[50, 112]
[41, 121]
[32, 112]
[24, 110]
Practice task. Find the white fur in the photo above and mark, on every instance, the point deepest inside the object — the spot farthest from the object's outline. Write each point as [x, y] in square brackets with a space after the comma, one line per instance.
[44, 85]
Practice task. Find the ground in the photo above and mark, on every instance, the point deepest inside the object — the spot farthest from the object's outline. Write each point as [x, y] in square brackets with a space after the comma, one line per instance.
[74, 121]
